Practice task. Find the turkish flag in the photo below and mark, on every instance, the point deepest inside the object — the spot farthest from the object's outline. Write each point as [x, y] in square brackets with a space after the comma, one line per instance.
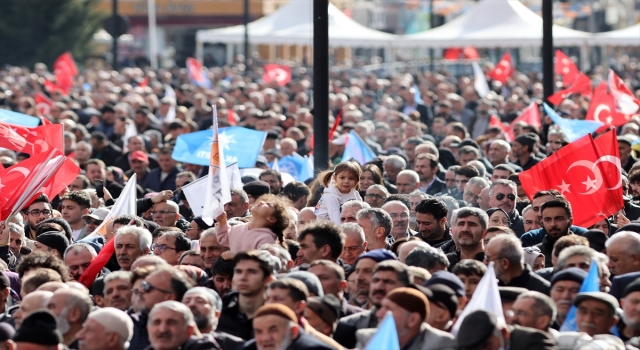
[565, 67]
[230, 117]
[281, 74]
[64, 68]
[587, 172]
[625, 101]
[89, 275]
[43, 104]
[503, 70]
[456, 53]
[530, 115]
[581, 85]
[495, 121]
[67, 173]
[471, 53]
[53, 87]
[36, 140]
[603, 109]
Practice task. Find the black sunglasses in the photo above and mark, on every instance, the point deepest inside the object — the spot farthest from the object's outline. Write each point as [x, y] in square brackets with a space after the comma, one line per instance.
[95, 222]
[500, 196]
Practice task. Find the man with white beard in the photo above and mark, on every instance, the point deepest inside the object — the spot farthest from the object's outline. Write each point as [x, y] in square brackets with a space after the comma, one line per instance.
[205, 305]
[71, 307]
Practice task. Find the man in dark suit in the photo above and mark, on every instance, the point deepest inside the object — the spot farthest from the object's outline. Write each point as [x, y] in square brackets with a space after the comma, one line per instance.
[619, 283]
[480, 326]
[164, 177]
[104, 149]
[408, 95]
[426, 165]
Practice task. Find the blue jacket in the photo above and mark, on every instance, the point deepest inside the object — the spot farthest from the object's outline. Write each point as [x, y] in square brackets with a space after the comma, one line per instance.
[534, 237]
[152, 180]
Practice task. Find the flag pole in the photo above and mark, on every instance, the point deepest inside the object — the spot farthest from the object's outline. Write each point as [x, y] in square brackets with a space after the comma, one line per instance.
[153, 45]
[321, 84]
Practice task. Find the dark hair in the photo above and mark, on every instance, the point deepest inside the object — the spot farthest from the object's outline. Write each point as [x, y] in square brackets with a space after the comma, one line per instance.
[505, 167]
[401, 270]
[468, 267]
[165, 151]
[433, 206]
[259, 256]
[182, 242]
[568, 241]
[222, 267]
[38, 277]
[403, 198]
[125, 219]
[295, 190]
[86, 183]
[187, 253]
[42, 198]
[337, 269]
[280, 205]
[66, 229]
[553, 193]
[467, 171]
[375, 170]
[557, 203]
[41, 259]
[426, 258]
[634, 176]
[97, 162]
[325, 232]
[297, 289]
[396, 244]
[180, 283]
[433, 160]
[81, 198]
[271, 172]
[352, 167]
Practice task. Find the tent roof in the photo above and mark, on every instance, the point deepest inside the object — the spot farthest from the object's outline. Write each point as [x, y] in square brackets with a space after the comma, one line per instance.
[494, 23]
[626, 36]
[292, 24]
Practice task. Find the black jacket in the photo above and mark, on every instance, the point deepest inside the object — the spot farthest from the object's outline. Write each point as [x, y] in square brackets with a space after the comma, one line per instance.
[304, 341]
[205, 343]
[531, 339]
[140, 339]
[437, 187]
[426, 114]
[529, 280]
[153, 182]
[454, 258]
[517, 224]
[108, 155]
[232, 321]
[546, 247]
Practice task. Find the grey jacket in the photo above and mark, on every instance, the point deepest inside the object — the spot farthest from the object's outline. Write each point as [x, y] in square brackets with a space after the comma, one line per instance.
[429, 338]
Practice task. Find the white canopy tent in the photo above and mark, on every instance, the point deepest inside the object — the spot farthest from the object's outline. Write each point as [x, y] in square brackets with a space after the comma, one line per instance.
[493, 23]
[292, 24]
[629, 36]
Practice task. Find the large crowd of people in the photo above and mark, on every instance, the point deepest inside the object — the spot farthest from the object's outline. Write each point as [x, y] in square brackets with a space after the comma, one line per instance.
[316, 263]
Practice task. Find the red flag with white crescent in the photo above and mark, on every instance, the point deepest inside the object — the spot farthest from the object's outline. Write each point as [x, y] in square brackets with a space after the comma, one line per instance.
[603, 109]
[503, 70]
[43, 104]
[279, 73]
[565, 67]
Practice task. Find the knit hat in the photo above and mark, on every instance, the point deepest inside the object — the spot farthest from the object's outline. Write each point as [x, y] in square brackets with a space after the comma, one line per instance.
[448, 279]
[632, 287]
[445, 296]
[256, 188]
[475, 329]
[411, 300]
[278, 310]
[114, 320]
[40, 327]
[510, 294]
[54, 240]
[596, 238]
[326, 307]
[310, 280]
[571, 274]
[377, 255]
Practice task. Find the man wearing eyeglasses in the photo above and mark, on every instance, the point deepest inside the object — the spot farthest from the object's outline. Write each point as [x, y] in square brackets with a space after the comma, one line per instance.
[36, 212]
[400, 218]
[503, 194]
[170, 244]
[165, 214]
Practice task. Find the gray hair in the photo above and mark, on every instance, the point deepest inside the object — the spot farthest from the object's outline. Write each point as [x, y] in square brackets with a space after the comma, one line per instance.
[452, 206]
[631, 241]
[280, 251]
[355, 204]
[378, 218]
[77, 248]
[555, 131]
[418, 193]
[502, 143]
[380, 188]
[526, 210]
[143, 235]
[15, 228]
[414, 176]
[426, 258]
[502, 182]
[211, 295]
[176, 307]
[478, 181]
[208, 232]
[482, 170]
[348, 227]
[542, 305]
[240, 192]
[114, 276]
[86, 144]
[404, 276]
[572, 251]
[397, 161]
[510, 249]
[77, 299]
[477, 212]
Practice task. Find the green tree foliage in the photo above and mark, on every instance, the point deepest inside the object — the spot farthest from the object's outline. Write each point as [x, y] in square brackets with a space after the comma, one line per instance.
[34, 31]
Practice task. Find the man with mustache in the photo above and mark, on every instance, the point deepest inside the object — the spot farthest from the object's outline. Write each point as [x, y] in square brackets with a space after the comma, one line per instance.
[467, 229]
[565, 285]
[71, 307]
[556, 220]
[131, 243]
[117, 290]
[503, 194]
[596, 312]
[171, 326]
[535, 310]
[77, 258]
[400, 218]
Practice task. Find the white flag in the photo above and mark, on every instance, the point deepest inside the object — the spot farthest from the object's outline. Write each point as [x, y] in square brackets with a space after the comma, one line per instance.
[169, 92]
[129, 132]
[194, 190]
[233, 172]
[125, 204]
[218, 192]
[486, 297]
[480, 82]
[275, 166]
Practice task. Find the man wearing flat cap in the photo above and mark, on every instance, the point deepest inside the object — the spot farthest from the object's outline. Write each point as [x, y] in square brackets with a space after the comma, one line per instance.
[443, 307]
[523, 150]
[482, 330]
[276, 327]
[595, 312]
[565, 285]
[410, 308]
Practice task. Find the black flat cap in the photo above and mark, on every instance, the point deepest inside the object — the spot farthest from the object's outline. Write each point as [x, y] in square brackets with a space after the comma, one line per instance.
[476, 329]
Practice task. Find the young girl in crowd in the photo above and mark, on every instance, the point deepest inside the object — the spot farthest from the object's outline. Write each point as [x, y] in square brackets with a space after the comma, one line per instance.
[269, 219]
[341, 185]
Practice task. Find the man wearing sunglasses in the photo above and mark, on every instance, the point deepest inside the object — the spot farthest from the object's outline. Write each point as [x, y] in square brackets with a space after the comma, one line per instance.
[93, 219]
[503, 194]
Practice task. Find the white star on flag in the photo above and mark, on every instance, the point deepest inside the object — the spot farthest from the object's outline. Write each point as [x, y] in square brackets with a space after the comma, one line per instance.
[564, 187]
[590, 183]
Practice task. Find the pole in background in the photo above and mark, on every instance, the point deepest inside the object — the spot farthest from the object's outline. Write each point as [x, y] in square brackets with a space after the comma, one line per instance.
[114, 49]
[321, 84]
[547, 49]
[432, 20]
[153, 39]
[246, 36]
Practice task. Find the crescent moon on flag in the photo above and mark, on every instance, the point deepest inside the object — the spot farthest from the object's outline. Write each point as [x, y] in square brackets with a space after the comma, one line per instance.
[506, 65]
[599, 109]
[615, 161]
[44, 146]
[24, 171]
[596, 173]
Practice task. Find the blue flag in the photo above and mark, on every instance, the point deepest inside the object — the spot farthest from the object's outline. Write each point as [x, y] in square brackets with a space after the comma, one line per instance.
[417, 96]
[240, 144]
[574, 129]
[307, 169]
[386, 337]
[357, 149]
[15, 118]
[292, 165]
[590, 284]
